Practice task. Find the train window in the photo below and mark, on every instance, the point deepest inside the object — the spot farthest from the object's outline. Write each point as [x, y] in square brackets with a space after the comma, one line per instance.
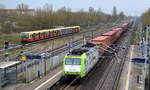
[39, 34]
[68, 62]
[47, 33]
[50, 33]
[43, 34]
[53, 32]
[71, 29]
[77, 62]
[73, 61]
[33, 35]
[56, 32]
[24, 35]
[36, 35]
[64, 31]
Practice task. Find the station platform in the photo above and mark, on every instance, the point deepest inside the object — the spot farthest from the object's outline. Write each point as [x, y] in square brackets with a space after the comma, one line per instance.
[39, 84]
[132, 76]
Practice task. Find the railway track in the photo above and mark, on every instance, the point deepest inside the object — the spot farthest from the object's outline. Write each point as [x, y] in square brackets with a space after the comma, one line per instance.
[32, 43]
[111, 79]
[29, 44]
[55, 51]
[105, 75]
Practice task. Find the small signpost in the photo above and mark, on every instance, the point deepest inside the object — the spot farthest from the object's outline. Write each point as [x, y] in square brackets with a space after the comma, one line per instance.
[86, 39]
[23, 58]
[69, 44]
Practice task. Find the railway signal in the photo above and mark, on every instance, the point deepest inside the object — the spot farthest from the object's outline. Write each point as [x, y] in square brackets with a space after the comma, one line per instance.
[6, 44]
[69, 45]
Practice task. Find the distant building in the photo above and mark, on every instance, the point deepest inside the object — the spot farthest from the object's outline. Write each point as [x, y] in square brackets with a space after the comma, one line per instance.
[19, 11]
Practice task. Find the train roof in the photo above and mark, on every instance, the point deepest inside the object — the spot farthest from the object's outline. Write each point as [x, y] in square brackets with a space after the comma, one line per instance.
[54, 29]
[40, 31]
[101, 38]
[117, 29]
[110, 33]
[125, 24]
[82, 50]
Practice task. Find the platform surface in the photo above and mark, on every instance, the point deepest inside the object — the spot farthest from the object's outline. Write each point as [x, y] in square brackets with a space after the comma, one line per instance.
[132, 76]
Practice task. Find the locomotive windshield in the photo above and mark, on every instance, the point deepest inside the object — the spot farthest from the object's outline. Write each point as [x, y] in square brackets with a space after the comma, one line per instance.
[24, 35]
[73, 61]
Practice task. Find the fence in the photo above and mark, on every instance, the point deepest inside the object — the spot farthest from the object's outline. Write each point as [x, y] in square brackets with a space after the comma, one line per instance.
[32, 69]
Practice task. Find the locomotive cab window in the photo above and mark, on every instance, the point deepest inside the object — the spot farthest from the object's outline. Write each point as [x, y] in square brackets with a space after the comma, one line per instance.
[73, 61]
[25, 35]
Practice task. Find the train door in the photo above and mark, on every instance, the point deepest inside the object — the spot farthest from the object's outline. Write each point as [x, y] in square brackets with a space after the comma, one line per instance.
[44, 35]
[33, 37]
[39, 36]
[49, 34]
[85, 66]
[87, 62]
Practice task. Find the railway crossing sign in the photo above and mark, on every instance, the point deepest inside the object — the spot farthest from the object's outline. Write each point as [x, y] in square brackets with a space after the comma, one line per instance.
[87, 39]
[69, 45]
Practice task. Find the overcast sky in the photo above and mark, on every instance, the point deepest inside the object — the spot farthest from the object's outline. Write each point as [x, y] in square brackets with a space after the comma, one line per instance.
[129, 7]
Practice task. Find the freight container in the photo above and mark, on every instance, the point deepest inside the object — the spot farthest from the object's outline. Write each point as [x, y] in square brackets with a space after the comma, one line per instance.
[124, 26]
[103, 42]
[112, 34]
[119, 32]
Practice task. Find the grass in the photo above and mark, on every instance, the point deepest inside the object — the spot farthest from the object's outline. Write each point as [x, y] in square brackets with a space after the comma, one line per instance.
[14, 38]
[136, 39]
[17, 50]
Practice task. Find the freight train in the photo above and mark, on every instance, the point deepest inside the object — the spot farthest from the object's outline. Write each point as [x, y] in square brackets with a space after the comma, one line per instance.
[80, 61]
[31, 36]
